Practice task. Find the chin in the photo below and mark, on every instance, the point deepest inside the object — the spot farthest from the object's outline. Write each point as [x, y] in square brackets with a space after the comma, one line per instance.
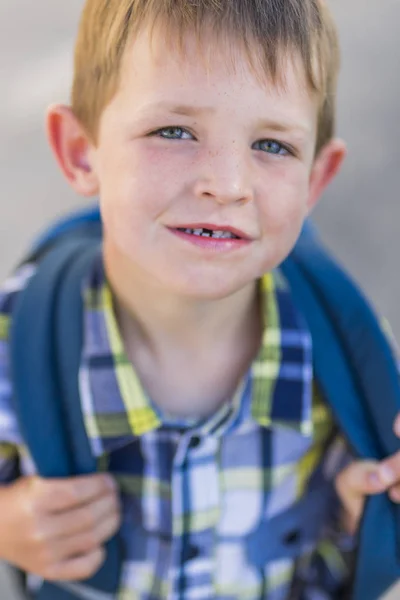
[208, 289]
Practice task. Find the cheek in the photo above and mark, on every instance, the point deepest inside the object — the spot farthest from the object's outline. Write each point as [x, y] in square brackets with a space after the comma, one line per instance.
[120, 194]
[132, 188]
[282, 213]
[284, 203]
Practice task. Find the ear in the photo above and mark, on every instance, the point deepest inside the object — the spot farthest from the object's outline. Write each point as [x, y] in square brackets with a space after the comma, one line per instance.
[326, 166]
[72, 149]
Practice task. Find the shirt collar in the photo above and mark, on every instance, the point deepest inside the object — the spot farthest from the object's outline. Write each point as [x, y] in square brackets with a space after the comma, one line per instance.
[282, 372]
[115, 406]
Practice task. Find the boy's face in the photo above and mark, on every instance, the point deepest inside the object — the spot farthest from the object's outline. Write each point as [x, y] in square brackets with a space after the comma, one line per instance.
[187, 145]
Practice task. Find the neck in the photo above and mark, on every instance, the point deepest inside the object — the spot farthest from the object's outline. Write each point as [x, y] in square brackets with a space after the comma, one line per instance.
[190, 355]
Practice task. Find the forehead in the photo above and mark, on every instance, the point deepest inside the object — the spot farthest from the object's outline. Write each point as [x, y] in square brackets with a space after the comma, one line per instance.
[217, 71]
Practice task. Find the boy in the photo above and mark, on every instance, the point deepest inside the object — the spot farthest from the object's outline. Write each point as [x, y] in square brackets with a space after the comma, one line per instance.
[206, 129]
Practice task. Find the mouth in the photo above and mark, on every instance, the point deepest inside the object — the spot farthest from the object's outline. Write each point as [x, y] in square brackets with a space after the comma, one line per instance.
[213, 231]
[214, 238]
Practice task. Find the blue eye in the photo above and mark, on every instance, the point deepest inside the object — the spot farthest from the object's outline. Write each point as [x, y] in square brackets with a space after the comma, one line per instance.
[173, 133]
[271, 147]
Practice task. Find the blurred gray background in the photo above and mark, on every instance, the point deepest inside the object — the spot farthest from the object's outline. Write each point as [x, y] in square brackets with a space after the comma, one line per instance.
[360, 216]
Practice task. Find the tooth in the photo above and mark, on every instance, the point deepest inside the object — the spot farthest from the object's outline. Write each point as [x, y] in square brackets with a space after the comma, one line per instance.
[206, 234]
[197, 231]
[188, 231]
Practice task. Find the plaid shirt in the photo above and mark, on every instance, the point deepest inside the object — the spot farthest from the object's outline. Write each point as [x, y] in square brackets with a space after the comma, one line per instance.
[197, 498]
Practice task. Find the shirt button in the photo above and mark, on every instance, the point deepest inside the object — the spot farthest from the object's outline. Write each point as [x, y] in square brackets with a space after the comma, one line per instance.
[292, 538]
[194, 442]
[190, 553]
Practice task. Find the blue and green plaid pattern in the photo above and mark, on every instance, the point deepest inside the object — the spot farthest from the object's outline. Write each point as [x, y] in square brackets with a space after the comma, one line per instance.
[192, 494]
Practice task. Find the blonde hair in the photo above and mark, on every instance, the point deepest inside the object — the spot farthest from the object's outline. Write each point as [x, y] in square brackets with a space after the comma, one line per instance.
[266, 29]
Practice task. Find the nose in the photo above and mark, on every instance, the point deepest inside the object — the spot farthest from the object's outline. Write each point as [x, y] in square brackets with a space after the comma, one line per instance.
[225, 177]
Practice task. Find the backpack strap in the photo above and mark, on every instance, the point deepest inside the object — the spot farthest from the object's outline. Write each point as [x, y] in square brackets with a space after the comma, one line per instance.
[89, 219]
[34, 364]
[46, 344]
[354, 366]
[366, 347]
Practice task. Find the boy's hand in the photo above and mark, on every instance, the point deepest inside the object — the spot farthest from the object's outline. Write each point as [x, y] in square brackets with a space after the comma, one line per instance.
[365, 478]
[57, 528]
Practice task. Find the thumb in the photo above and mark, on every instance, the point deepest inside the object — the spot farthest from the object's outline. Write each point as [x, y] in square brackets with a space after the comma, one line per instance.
[353, 484]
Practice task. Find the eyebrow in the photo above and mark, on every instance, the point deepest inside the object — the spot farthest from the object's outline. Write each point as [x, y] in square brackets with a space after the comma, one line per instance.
[284, 126]
[182, 109]
[279, 125]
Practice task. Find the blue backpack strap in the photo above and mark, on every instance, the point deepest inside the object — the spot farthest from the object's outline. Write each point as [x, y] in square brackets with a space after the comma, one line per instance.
[89, 217]
[46, 342]
[365, 345]
[34, 365]
[353, 365]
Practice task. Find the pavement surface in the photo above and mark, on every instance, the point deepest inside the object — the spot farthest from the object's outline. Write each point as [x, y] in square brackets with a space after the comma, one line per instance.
[359, 216]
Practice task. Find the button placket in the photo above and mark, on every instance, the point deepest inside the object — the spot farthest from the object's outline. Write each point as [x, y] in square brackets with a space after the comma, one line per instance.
[195, 499]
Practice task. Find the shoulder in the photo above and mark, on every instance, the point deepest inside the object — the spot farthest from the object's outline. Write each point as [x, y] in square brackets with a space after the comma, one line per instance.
[14, 285]
[9, 292]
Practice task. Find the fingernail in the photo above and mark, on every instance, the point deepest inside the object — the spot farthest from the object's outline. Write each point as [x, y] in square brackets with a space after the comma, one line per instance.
[374, 480]
[386, 475]
[397, 426]
[111, 483]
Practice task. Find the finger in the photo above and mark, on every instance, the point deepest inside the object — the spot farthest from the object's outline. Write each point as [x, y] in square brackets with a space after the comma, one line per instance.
[77, 568]
[360, 478]
[353, 484]
[58, 495]
[389, 470]
[87, 541]
[396, 427]
[394, 494]
[83, 518]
